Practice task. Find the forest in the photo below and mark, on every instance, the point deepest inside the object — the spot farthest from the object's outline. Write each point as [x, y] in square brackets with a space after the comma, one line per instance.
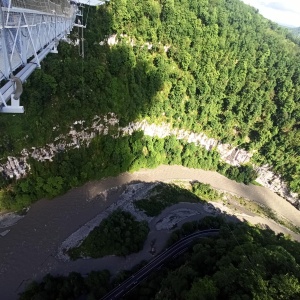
[217, 67]
[119, 234]
[242, 262]
[295, 31]
[107, 156]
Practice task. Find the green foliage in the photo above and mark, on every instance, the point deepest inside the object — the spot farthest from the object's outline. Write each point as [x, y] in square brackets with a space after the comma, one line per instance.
[204, 289]
[106, 156]
[204, 191]
[56, 288]
[245, 173]
[74, 286]
[118, 234]
[295, 34]
[217, 67]
[163, 196]
[198, 157]
[228, 72]
[242, 262]
[207, 222]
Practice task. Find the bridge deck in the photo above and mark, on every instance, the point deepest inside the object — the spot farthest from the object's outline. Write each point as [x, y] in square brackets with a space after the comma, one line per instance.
[27, 28]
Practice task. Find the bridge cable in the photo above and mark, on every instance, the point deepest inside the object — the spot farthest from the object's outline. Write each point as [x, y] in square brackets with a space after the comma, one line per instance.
[78, 34]
[6, 37]
[87, 15]
[82, 61]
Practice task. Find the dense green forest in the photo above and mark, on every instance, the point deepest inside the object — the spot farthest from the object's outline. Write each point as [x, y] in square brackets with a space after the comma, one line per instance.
[295, 31]
[108, 156]
[119, 234]
[242, 262]
[162, 196]
[226, 71]
[165, 195]
[94, 286]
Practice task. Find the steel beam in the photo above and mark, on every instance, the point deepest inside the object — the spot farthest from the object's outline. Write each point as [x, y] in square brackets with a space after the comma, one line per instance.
[26, 37]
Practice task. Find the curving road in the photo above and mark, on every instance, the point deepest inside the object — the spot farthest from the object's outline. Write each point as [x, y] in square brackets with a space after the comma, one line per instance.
[28, 251]
[175, 250]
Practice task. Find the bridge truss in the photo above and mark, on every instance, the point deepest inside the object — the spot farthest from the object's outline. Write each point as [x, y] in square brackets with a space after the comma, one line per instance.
[29, 30]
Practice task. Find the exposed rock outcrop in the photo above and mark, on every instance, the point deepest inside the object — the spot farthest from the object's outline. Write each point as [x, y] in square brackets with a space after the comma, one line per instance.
[80, 134]
[274, 182]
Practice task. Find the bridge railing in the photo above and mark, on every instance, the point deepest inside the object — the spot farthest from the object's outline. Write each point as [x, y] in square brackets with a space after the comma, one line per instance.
[59, 7]
[28, 30]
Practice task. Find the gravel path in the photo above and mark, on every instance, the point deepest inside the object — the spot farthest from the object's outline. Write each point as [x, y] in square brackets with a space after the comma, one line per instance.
[28, 251]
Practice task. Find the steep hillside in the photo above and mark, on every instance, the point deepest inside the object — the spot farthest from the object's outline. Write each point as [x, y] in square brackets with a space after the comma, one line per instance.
[295, 31]
[242, 262]
[228, 71]
[213, 66]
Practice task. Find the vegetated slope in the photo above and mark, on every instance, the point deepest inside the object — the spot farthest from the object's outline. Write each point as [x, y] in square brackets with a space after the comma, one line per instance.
[295, 31]
[227, 71]
[119, 234]
[242, 262]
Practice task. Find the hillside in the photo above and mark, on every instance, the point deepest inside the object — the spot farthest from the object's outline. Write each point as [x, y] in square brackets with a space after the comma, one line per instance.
[242, 262]
[209, 66]
[295, 31]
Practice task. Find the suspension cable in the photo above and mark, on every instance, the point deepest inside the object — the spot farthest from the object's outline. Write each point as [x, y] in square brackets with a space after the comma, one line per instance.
[87, 15]
[82, 43]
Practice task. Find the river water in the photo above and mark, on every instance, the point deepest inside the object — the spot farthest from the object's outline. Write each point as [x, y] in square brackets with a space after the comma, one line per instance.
[29, 250]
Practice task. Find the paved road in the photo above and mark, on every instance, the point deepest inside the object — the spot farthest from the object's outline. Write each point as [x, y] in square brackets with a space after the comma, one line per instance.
[175, 250]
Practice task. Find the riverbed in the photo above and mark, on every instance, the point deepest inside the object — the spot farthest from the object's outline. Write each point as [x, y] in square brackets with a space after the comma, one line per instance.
[29, 250]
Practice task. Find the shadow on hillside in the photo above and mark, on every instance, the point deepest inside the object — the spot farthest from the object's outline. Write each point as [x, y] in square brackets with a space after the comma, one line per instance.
[156, 198]
[69, 88]
[238, 244]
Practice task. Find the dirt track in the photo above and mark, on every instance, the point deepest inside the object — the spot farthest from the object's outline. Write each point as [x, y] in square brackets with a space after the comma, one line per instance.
[28, 251]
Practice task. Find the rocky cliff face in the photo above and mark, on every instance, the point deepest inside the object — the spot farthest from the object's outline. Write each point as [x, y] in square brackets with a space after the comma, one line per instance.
[18, 166]
[229, 154]
[274, 182]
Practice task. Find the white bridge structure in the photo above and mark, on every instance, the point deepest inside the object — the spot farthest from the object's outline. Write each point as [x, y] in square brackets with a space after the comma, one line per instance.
[29, 30]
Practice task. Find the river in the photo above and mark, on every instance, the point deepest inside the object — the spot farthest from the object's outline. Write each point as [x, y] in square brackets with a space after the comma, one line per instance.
[28, 251]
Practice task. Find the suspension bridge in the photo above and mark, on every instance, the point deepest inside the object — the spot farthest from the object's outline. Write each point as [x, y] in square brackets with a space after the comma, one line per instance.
[29, 30]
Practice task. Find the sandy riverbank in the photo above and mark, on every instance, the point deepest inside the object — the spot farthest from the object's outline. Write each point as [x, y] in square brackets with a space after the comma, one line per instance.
[29, 250]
